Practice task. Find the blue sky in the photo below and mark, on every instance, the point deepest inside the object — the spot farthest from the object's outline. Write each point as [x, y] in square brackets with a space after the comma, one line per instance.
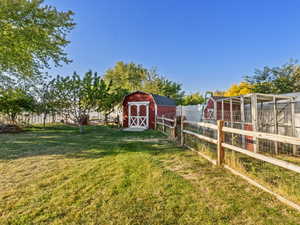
[205, 45]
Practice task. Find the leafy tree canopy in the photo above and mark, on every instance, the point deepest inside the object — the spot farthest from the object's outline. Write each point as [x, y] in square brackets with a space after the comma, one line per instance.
[129, 76]
[239, 89]
[76, 96]
[193, 99]
[276, 80]
[32, 35]
[133, 77]
[218, 93]
[14, 102]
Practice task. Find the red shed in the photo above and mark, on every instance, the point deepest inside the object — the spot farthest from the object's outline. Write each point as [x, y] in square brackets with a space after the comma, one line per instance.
[140, 109]
[218, 108]
[213, 109]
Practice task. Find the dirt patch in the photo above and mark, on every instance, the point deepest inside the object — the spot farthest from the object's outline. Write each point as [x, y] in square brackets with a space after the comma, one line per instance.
[10, 128]
[181, 169]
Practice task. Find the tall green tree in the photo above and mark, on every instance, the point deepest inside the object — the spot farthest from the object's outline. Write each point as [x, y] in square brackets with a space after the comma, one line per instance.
[15, 101]
[33, 36]
[133, 77]
[47, 101]
[111, 100]
[129, 76]
[77, 96]
[160, 85]
[277, 80]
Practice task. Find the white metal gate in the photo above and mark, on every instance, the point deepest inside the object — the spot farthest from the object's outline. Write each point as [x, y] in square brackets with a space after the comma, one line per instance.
[138, 113]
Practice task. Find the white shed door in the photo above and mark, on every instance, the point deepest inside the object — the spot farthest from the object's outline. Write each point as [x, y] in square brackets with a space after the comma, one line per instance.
[138, 113]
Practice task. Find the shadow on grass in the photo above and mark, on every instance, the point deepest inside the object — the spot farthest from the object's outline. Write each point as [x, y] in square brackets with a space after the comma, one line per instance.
[95, 142]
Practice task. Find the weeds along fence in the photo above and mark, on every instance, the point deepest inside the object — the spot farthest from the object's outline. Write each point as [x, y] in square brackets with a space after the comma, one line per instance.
[278, 174]
[167, 126]
[35, 119]
[31, 119]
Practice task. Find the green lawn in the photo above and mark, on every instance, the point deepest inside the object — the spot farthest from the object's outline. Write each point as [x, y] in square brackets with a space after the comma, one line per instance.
[106, 176]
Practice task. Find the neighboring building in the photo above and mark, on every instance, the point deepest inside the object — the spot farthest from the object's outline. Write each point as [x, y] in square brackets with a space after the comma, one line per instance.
[140, 109]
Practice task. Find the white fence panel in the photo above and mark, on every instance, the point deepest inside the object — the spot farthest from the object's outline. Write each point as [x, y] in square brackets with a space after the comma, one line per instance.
[191, 112]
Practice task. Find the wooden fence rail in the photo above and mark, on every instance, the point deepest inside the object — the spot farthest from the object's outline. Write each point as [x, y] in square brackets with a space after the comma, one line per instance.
[220, 129]
[164, 125]
[221, 144]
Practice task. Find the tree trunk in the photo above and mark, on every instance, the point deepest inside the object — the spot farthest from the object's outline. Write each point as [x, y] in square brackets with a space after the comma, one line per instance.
[106, 119]
[44, 119]
[53, 117]
[81, 128]
[81, 123]
[13, 118]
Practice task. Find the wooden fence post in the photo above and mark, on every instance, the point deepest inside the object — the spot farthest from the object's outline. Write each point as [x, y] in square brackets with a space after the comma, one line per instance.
[163, 121]
[220, 149]
[174, 127]
[293, 125]
[275, 123]
[254, 117]
[181, 129]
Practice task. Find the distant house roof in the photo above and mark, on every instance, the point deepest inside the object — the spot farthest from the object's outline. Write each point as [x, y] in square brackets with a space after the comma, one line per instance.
[163, 100]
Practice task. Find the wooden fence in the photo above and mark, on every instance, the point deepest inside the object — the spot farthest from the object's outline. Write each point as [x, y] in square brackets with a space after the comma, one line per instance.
[167, 124]
[219, 141]
[35, 119]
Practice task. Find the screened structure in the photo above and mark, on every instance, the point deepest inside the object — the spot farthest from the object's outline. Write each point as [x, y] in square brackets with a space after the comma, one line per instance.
[256, 112]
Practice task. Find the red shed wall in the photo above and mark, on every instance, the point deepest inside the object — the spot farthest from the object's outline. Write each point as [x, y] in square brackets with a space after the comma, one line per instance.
[167, 111]
[236, 108]
[139, 97]
[210, 105]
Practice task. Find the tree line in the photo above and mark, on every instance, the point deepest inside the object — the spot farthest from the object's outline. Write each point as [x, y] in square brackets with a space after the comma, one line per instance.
[268, 80]
[33, 38]
[75, 96]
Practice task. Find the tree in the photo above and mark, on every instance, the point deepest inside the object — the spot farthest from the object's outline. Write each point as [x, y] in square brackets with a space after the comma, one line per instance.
[133, 77]
[218, 93]
[15, 101]
[276, 80]
[239, 89]
[172, 90]
[107, 103]
[77, 96]
[47, 101]
[193, 99]
[129, 76]
[32, 35]
[160, 85]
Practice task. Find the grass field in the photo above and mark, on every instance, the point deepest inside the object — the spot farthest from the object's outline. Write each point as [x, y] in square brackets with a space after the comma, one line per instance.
[106, 176]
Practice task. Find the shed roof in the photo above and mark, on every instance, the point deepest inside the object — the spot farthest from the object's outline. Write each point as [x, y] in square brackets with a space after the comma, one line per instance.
[159, 100]
[163, 100]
